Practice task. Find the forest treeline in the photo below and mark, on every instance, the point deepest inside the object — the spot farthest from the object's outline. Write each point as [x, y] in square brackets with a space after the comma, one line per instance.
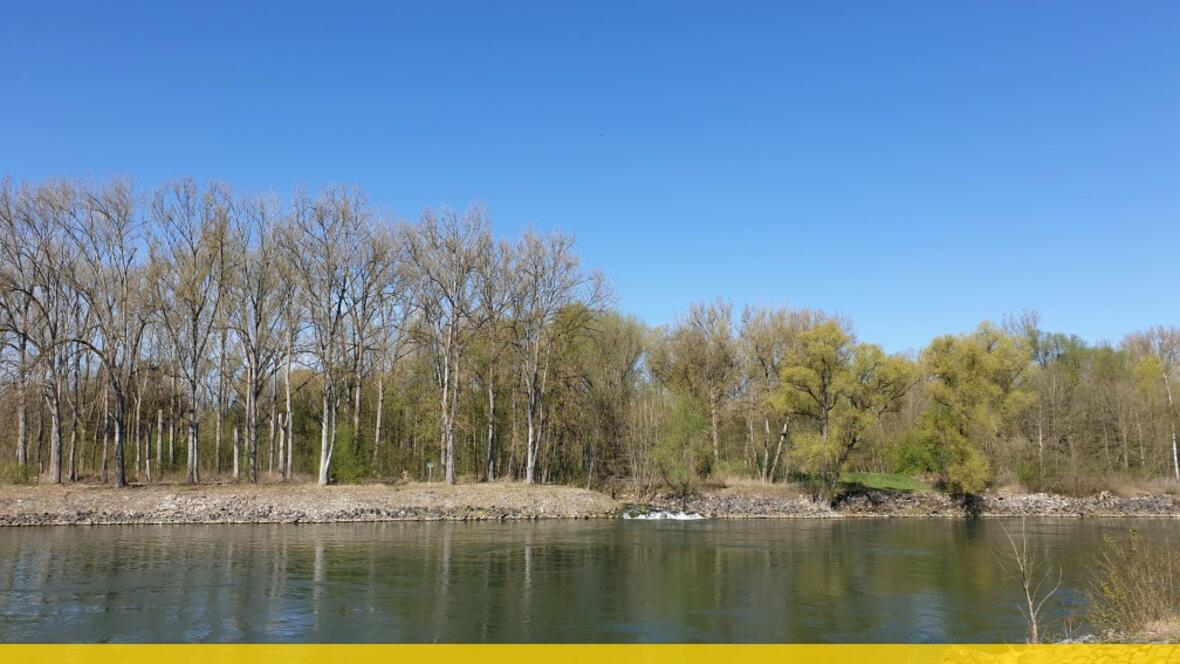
[193, 333]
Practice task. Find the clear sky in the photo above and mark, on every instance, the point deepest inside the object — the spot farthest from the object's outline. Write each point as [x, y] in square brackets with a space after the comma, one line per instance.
[918, 166]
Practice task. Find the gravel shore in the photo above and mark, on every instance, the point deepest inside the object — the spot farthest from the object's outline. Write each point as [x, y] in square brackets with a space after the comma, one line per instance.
[294, 503]
[749, 502]
[43, 505]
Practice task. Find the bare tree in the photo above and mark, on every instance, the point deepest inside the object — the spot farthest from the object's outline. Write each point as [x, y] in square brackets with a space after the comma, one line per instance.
[699, 358]
[257, 294]
[106, 233]
[766, 338]
[17, 304]
[39, 243]
[322, 236]
[765, 343]
[371, 269]
[713, 323]
[494, 291]
[445, 251]
[388, 339]
[553, 298]
[1162, 344]
[1031, 570]
[187, 281]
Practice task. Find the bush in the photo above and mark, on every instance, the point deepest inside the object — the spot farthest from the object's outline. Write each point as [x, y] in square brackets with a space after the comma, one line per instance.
[12, 473]
[968, 474]
[349, 465]
[1133, 584]
[729, 470]
[683, 453]
[936, 448]
[912, 455]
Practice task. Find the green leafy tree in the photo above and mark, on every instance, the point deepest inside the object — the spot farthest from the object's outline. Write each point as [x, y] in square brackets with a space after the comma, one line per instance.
[698, 357]
[976, 392]
[683, 453]
[844, 389]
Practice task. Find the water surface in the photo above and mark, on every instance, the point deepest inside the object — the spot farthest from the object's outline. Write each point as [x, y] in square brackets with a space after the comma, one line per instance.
[562, 581]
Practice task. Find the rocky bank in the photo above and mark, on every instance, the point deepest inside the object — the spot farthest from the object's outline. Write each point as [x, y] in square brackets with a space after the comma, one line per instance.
[43, 505]
[726, 503]
[294, 503]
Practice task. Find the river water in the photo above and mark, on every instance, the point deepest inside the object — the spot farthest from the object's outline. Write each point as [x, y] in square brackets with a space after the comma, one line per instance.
[889, 580]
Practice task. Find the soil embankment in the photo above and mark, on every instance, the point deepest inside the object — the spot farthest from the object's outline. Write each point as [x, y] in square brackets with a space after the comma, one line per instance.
[42, 505]
[749, 502]
[293, 503]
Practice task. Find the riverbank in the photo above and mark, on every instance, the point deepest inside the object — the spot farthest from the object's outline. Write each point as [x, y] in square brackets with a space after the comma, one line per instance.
[753, 501]
[42, 505]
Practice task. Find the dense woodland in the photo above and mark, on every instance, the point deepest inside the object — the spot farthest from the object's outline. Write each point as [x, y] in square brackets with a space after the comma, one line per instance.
[195, 334]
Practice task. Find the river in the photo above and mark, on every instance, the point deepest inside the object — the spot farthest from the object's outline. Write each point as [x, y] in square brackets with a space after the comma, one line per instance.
[840, 580]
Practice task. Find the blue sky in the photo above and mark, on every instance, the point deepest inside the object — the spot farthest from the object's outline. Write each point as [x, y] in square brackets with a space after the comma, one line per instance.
[918, 166]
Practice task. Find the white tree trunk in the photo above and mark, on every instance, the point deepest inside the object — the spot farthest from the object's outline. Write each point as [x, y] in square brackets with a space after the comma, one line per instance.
[490, 454]
[287, 416]
[159, 440]
[22, 408]
[55, 435]
[530, 472]
[325, 435]
[1172, 419]
[377, 422]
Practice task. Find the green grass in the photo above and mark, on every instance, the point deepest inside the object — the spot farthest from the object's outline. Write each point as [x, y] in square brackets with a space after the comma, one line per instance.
[885, 481]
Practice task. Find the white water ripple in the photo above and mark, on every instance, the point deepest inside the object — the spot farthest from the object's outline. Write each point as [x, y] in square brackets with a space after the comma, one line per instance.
[657, 515]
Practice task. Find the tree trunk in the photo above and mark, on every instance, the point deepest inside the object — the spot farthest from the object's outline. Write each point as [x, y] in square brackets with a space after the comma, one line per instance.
[1040, 448]
[282, 433]
[778, 452]
[220, 403]
[290, 445]
[377, 421]
[40, 461]
[194, 475]
[530, 470]
[325, 442]
[513, 447]
[713, 399]
[252, 421]
[356, 417]
[22, 407]
[160, 441]
[147, 450]
[274, 394]
[1172, 419]
[235, 438]
[490, 453]
[444, 446]
[120, 469]
[55, 436]
[765, 449]
[287, 420]
[74, 420]
[106, 423]
[172, 408]
[136, 432]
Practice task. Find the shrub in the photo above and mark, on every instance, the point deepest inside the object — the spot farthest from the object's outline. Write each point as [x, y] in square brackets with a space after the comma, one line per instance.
[913, 456]
[12, 473]
[969, 474]
[730, 471]
[1133, 584]
[349, 465]
[683, 453]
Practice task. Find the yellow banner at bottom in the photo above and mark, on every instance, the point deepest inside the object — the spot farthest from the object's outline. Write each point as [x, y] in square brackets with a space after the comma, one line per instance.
[588, 654]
